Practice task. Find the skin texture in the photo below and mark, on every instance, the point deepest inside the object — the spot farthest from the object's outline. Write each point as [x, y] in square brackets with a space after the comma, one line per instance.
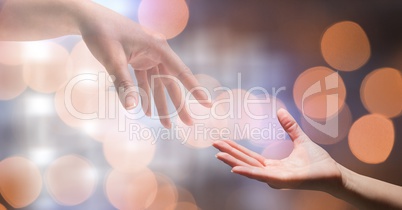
[309, 167]
[116, 42]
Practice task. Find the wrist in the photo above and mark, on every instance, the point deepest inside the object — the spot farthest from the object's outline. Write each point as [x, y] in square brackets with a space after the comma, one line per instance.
[343, 183]
[78, 12]
[69, 12]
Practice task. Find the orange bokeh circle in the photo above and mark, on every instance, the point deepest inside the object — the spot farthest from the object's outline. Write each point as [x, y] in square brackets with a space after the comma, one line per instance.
[128, 191]
[345, 46]
[319, 93]
[70, 180]
[129, 151]
[167, 195]
[340, 123]
[371, 138]
[48, 72]
[11, 82]
[20, 181]
[11, 53]
[381, 92]
[166, 17]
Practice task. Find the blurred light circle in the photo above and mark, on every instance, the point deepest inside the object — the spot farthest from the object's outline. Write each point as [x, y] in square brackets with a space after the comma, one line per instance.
[124, 7]
[278, 149]
[20, 181]
[250, 195]
[322, 200]
[70, 180]
[205, 129]
[85, 64]
[98, 129]
[320, 91]
[11, 82]
[185, 206]
[166, 17]
[130, 151]
[185, 195]
[231, 105]
[91, 74]
[83, 60]
[207, 126]
[77, 105]
[340, 122]
[371, 138]
[109, 112]
[167, 195]
[46, 66]
[11, 53]
[129, 191]
[345, 46]
[265, 126]
[209, 84]
[381, 92]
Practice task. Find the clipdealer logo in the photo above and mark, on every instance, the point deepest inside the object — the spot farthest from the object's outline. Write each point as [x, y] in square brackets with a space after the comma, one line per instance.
[329, 86]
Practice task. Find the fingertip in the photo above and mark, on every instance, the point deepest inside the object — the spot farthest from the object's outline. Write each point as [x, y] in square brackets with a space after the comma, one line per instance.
[203, 98]
[130, 102]
[216, 144]
[220, 156]
[284, 116]
[230, 142]
[166, 123]
[148, 113]
[281, 112]
[237, 169]
[207, 103]
[188, 122]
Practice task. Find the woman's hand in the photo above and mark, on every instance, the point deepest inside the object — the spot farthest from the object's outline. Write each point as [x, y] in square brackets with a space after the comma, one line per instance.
[307, 167]
[116, 41]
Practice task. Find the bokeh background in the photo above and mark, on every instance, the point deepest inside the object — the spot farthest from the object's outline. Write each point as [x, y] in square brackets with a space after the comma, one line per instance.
[50, 160]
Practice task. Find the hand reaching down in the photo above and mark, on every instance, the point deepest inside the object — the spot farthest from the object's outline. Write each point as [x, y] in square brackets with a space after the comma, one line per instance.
[114, 40]
[117, 42]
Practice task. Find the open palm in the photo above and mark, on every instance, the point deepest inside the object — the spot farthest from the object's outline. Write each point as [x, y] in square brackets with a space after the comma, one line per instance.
[307, 167]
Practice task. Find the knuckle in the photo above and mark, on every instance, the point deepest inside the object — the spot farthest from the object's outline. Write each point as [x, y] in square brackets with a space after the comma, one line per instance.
[185, 73]
[114, 63]
[125, 85]
[142, 82]
[160, 39]
[291, 126]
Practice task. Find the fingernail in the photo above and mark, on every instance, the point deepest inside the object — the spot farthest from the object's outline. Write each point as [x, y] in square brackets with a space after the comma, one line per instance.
[130, 102]
[231, 170]
[167, 124]
[208, 103]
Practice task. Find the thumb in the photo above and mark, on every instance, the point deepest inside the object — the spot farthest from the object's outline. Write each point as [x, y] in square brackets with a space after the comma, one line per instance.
[290, 125]
[124, 85]
[113, 58]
